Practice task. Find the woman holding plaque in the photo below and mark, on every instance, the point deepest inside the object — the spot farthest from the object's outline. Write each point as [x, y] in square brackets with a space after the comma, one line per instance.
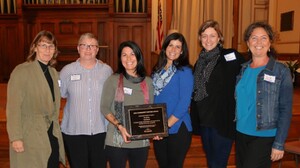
[173, 85]
[128, 86]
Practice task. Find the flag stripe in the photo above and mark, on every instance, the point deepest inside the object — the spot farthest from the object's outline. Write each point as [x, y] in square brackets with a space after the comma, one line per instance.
[159, 29]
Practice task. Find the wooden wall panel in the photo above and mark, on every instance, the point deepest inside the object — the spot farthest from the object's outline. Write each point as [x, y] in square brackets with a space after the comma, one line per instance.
[103, 38]
[66, 28]
[121, 33]
[68, 23]
[85, 27]
[138, 35]
[10, 49]
[47, 26]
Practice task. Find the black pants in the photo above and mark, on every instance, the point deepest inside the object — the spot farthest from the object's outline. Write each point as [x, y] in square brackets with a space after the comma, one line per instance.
[117, 157]
[85, 151]
[170, 152]
[53, 161]
[253, 152]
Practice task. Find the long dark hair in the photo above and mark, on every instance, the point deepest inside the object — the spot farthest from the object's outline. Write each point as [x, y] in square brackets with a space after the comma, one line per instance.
[46, 37]
[183, 59]
[140, 68]
[269, 31]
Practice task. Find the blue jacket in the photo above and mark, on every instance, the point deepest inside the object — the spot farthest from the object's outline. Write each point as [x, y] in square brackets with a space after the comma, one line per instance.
[177, 96]
[273, 100]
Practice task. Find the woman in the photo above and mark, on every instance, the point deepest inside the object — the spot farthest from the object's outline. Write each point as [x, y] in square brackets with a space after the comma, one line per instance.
[33, 102]
[264, 95]
[128, 86]
[213, 104]
[173, 85]
[83, 125]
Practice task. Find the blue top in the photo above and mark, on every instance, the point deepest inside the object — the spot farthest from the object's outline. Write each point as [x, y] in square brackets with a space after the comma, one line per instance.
[246, 104]
[274, 97]
[177, 96]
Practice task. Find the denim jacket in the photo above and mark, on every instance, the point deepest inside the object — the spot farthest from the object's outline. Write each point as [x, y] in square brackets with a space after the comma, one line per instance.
[273, 100]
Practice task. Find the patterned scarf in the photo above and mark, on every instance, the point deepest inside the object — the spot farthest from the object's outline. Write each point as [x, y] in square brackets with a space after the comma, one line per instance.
[162, 78]
[119, 103]
[203, 68]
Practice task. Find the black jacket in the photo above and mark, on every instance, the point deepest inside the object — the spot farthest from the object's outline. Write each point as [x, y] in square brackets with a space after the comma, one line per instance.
[218, 109]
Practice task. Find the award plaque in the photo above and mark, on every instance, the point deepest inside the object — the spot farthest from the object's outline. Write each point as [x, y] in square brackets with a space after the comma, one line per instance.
[146, 121]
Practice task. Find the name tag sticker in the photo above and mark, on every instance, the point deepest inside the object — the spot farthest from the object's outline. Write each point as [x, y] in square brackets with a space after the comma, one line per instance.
[59, 83]
[127, 91]
[75, 77]
[269, 78]
[230, 56]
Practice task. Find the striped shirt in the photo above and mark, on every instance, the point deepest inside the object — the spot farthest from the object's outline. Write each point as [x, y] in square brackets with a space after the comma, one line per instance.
[83, 88]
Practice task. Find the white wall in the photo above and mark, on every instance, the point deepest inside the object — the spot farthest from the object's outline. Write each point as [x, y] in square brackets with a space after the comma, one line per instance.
[270, 11]
[288, 41]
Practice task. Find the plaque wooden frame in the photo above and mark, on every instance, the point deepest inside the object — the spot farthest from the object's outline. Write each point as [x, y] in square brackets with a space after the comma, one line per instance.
[146, 121]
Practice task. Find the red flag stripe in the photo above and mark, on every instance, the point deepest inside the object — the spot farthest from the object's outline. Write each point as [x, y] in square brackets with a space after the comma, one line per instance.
[159, 29]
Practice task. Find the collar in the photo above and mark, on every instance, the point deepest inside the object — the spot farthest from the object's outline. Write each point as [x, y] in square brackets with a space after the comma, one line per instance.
[269, 66]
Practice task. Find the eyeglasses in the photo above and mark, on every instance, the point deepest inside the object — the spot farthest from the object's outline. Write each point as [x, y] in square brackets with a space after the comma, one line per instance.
[86, 46]
[45, 47]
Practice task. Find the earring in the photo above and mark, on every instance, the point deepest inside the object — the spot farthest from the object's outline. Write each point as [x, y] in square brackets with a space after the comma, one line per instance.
[248, 50]
[269, 50]
[220, 44]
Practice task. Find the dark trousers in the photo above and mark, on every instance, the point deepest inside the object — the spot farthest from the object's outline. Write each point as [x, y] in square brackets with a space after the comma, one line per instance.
[53, 161]
[216, 147]
[170, 152]
[117, 157]
[85, 151]
[253, 152]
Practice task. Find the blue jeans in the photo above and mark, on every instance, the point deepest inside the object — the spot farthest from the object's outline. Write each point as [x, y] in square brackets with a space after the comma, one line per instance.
[216, 147]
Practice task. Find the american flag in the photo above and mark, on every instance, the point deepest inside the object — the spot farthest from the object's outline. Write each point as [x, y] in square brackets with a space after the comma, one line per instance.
[159, 29]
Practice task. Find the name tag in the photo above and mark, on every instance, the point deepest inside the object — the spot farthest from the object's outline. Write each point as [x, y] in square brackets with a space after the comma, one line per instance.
[75, 77]
[59, 83]
[230, 56]
[127, 91]
[269, 78]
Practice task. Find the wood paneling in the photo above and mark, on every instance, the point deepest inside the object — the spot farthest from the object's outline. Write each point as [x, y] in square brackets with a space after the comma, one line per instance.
[288, 56]
[10, 50]
[67, 22]
[47, 26]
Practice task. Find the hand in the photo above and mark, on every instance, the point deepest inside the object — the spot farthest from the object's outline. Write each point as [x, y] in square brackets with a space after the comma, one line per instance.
[18, 146]
[157, 138]
[276, 154]
[124, 134]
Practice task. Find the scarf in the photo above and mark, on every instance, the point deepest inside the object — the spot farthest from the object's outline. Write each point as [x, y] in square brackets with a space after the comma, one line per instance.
[119, 103]
[162, 78]
[203, 68]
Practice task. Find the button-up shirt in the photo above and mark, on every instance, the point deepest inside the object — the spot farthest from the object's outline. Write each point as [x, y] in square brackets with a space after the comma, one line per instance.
[83, 88]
